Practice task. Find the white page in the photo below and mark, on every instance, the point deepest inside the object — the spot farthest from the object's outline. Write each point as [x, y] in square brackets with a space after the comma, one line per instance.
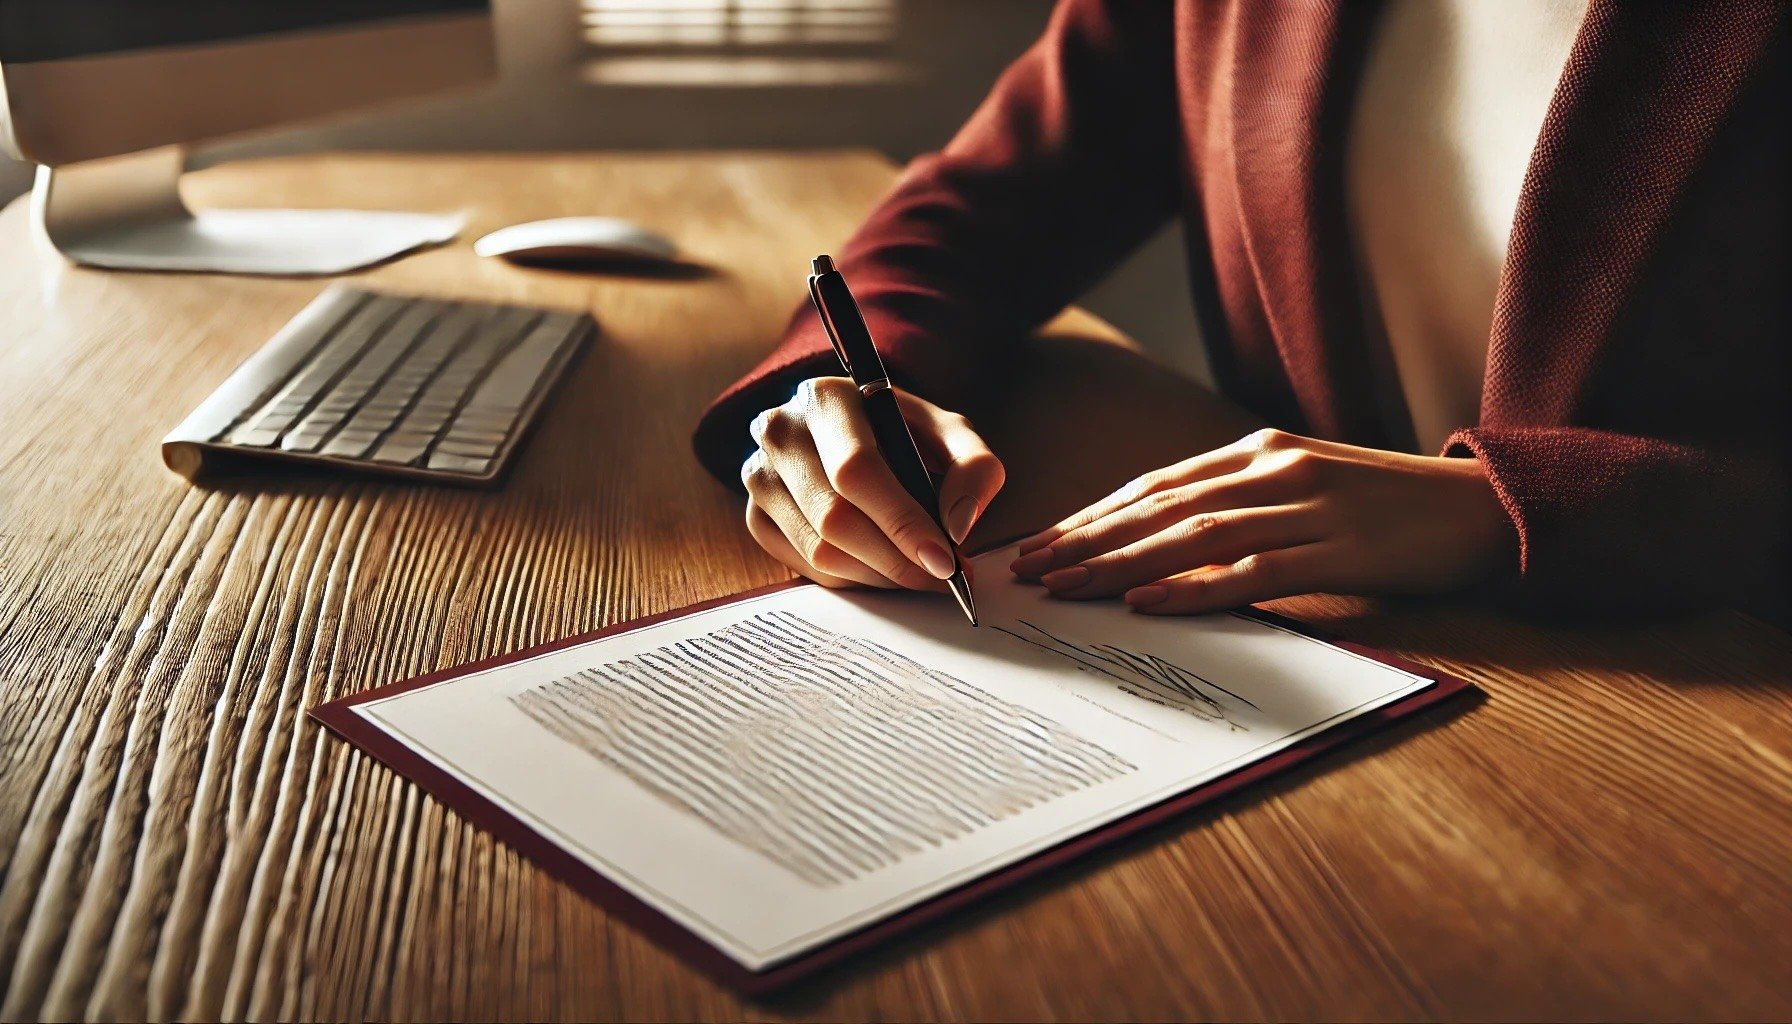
[834, 757]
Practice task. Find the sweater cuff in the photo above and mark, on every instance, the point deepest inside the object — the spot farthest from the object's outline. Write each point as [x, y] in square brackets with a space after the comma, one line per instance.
[1615, 524]
[721, 440]
[1469, 444]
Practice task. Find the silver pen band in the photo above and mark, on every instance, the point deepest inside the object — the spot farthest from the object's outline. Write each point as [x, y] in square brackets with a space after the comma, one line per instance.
[873, 387]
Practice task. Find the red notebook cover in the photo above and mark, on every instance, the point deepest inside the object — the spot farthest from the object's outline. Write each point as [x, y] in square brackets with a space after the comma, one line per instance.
[340, 719]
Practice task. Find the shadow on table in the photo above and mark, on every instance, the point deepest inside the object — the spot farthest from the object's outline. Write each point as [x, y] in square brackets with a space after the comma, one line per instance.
[1085, 414]
[645, 269]
[1674, 651]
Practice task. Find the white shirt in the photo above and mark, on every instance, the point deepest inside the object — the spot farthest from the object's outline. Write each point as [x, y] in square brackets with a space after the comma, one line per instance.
[1450, 106]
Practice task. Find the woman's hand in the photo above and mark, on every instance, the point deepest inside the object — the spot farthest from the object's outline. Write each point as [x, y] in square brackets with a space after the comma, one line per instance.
[1275, 515]
[821, 499]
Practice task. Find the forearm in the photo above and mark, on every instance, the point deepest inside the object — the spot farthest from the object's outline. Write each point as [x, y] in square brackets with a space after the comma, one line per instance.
[1041, 191]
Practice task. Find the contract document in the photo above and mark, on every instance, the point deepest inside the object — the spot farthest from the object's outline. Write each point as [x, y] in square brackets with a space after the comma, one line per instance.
[763, 778]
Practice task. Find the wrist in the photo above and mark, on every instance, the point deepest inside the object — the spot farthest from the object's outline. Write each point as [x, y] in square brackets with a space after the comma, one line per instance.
[1487, 527]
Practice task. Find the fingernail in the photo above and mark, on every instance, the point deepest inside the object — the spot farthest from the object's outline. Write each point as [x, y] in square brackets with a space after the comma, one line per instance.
[1033, 564]
[1145, 597]
[959, 519]
[1033, 543]
[1066, 579]
[935, 560]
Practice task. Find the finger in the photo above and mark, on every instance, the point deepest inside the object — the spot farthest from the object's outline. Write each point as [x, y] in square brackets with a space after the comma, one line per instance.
[973, 474]
[837, 521]
[1228, 459]
[1260, 577]
[772, 539]
[1152, 514]
[812, 554]
[856, 471]
[1211, 538]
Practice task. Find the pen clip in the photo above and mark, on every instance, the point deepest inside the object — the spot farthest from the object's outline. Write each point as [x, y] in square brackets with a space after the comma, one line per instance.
[827, 324]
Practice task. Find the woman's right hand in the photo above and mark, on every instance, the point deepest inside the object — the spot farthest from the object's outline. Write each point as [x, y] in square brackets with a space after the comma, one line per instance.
[822, 500]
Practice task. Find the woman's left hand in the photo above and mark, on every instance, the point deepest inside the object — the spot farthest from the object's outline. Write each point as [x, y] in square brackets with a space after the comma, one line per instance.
[1275, 515]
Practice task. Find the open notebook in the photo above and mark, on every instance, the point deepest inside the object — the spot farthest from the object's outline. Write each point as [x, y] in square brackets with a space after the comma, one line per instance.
[770, 782]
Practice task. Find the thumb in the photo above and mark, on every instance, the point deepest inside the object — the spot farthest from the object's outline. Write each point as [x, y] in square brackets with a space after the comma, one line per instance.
[972, 473]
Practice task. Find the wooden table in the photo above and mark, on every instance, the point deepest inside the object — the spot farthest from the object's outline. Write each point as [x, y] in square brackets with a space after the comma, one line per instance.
[1607, 834]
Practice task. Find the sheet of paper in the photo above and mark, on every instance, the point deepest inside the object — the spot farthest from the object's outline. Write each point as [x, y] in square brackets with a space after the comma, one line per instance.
[781, 771]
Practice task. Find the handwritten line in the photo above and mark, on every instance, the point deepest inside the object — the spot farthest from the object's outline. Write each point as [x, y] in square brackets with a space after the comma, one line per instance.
[829, 755]
[1132, 668]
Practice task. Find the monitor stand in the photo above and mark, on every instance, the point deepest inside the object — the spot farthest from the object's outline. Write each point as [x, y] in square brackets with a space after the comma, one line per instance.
[126, 213]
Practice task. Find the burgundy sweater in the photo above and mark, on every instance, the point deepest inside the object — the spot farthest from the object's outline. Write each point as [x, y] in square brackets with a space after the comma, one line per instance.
[1635, 419]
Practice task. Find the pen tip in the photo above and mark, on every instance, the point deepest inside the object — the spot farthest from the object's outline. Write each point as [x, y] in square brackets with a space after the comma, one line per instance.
[961, 590]
[823, 264]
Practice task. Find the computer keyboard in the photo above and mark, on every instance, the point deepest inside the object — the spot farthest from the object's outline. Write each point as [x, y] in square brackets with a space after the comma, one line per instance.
[418, 387]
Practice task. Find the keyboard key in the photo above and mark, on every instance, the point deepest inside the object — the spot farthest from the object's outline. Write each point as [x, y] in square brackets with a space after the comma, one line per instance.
[481, 428]
[401, 389]
[368, 373]
[265, 373]
[414, 435]
[265, 429]
[430, 384]
[471, 465]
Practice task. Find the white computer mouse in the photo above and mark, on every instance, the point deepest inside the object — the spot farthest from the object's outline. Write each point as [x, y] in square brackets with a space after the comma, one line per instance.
[577, 239]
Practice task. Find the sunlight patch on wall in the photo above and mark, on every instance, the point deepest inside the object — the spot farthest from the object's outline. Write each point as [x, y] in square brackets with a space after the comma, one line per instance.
[747, 43]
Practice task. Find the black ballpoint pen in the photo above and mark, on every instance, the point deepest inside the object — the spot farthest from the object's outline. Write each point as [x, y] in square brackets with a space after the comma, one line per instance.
[851, 339]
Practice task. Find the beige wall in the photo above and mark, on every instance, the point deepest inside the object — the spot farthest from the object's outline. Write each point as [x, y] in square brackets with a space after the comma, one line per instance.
[951, 49]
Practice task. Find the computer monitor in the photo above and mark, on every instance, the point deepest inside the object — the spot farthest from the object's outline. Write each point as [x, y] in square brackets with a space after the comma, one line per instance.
[97, 91]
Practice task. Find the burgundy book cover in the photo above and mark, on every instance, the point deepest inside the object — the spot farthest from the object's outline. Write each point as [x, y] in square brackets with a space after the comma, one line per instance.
[339, 717]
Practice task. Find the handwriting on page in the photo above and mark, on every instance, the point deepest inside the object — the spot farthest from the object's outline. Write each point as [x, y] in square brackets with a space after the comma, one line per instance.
[829, 755]
[1142, 675]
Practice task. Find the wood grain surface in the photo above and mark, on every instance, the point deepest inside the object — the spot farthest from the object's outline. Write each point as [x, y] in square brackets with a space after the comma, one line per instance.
[1605, 834]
